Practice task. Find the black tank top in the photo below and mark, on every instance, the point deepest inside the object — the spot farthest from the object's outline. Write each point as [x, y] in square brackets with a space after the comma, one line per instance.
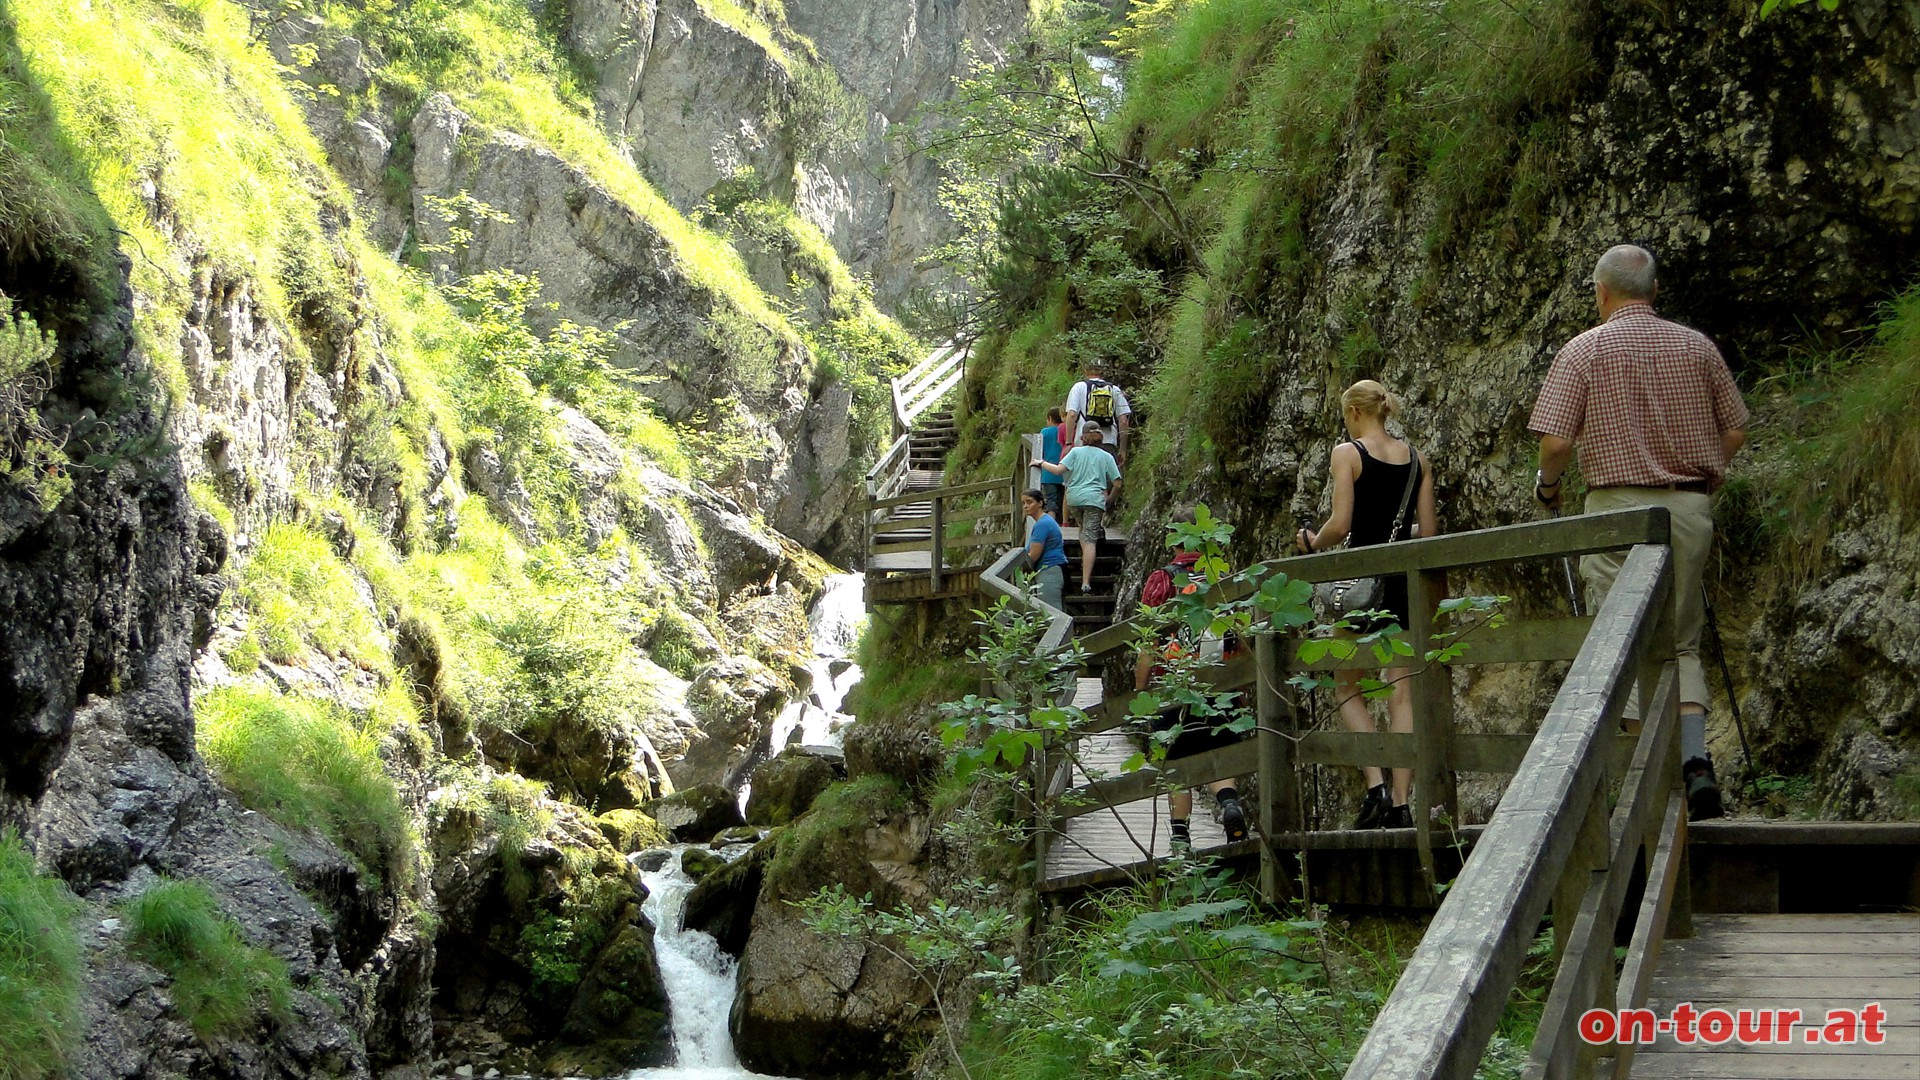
[1377, 492]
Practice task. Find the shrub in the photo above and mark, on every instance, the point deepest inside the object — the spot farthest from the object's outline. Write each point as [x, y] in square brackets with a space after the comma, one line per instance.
[220, 982]
[304, 763]
[39, 968]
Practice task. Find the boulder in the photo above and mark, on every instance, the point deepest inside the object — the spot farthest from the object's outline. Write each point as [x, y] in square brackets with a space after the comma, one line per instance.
[696, 814]
[722, 904]
[697, 863]
[785, 787]
[630, 830]
[905, 749]
[739, 834]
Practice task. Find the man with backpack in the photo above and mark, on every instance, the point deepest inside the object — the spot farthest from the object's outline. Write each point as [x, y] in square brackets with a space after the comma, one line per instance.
[1095, 401]
[1195, 736]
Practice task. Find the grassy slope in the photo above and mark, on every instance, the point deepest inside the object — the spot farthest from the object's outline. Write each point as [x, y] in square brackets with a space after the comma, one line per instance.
[165, 130]
[1252, 99]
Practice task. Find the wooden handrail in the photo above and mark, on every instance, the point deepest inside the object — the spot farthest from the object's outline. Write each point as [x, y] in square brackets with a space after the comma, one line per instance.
[1449, 999]
[924, 384]
[1579, 535]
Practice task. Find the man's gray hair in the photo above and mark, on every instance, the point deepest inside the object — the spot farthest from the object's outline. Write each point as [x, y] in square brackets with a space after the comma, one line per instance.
[1627, 272]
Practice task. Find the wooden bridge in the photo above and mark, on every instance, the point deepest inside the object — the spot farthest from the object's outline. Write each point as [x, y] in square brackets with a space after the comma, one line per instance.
[1591, 829]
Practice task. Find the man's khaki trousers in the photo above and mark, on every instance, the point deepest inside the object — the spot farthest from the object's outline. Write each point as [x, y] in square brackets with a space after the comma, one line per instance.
[1692, 515]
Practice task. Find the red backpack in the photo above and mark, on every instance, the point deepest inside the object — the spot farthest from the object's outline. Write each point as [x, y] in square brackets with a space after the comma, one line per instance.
[1159, 586]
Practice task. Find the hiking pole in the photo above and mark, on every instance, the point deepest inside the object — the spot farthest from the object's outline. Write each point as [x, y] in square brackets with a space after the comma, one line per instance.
[1726, 673]
[1573, 589]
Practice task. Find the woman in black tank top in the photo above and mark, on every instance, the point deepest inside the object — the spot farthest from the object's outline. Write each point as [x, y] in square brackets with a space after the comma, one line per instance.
[1369, 484]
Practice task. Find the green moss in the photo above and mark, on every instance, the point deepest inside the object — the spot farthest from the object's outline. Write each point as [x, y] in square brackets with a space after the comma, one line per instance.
[304, 763]
[220, 984]
[832, 832]
[631, 830]
[40, 968]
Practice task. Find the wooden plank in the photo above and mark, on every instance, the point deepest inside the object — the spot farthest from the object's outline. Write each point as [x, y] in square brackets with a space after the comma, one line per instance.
[1709, 966]
[1644, 950]
[1901, 1040]
[1783, 833]
[1240, 759]
[1801, 1066]
[1273, 754]
[1450, 996]
[1466, 751]
[995, 538]
[1738, 988]
[1721, 942]
[941, 492]
[1803, 924]
[954, 517]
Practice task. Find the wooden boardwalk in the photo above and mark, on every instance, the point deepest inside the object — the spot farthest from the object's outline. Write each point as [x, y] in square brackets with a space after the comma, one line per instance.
[1131, 835]
[1812, 963]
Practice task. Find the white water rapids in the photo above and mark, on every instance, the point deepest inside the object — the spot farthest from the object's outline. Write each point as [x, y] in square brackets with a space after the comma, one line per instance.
[698, 976]
[699, 980]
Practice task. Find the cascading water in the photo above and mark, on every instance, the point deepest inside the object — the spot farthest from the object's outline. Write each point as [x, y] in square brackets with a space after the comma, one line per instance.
[834, 626]
[699, 980]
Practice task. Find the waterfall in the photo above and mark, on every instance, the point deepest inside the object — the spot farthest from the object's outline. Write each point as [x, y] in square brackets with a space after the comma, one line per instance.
[699, 980]
[834, 626]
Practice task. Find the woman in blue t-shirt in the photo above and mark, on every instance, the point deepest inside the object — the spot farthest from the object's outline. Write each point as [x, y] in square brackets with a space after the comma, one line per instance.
[1046, 550]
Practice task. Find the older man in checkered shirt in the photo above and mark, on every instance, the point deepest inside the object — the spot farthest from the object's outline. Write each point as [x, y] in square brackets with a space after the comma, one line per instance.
[1654, 412]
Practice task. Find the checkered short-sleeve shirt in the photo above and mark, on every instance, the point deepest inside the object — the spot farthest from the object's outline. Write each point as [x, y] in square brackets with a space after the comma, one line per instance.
[1644, 400]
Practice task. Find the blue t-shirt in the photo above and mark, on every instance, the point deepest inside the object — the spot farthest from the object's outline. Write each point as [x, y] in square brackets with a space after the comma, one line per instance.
[1046, 532]
[1089, 471]
[1050, 453]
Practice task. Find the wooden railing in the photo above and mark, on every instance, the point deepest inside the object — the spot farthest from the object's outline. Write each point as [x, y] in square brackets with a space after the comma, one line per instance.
[990, 509]
[1554, 842]
[923, 385]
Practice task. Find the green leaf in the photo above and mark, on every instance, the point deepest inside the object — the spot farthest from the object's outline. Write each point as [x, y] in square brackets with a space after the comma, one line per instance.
[1135, 763]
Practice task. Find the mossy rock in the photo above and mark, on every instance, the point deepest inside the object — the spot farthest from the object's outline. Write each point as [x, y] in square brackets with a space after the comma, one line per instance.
[739, 834]
[618, 1018]
[697, 863]
[905, 749]
[696, 814]
[631, 830]
[784, 788]
[722, 904]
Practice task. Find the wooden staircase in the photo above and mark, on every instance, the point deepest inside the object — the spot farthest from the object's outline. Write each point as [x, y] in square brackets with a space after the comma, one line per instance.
[916, 547]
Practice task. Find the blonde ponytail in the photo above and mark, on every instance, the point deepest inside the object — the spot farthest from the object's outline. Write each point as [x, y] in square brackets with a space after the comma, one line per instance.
[1369, 398]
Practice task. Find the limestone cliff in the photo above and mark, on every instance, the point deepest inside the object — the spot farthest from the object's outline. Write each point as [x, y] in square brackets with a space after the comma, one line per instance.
[407, 480]
[1349, 226]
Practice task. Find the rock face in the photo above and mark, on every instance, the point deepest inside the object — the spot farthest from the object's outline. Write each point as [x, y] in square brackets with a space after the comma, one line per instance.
[894, 57]
[689, 132]
[810, 1006]
[785, 787]
[1770, 165]
[588, 994]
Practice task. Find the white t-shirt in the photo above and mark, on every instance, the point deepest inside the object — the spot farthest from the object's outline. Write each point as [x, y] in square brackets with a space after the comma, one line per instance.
[1109, 430]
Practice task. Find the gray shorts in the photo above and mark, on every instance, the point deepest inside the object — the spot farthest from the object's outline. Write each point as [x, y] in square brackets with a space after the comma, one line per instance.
[1093, 520]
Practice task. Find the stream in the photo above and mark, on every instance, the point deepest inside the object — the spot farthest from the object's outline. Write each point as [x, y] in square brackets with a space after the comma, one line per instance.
[698, 976]
[699, 980]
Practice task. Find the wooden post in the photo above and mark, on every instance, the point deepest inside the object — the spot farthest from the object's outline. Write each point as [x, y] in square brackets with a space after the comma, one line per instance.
[1279, 787]
[939, 558]
[1432, 694]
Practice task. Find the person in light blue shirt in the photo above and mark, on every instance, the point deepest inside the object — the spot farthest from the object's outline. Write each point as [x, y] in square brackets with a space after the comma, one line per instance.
[1052, 488]
[1093, 479]
[1046, 550]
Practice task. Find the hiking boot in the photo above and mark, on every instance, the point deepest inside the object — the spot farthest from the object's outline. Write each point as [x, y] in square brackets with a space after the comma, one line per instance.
[1703, 794]
[1233, 819]
[1373, 808]
[1180, 837]
[1398, 817]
